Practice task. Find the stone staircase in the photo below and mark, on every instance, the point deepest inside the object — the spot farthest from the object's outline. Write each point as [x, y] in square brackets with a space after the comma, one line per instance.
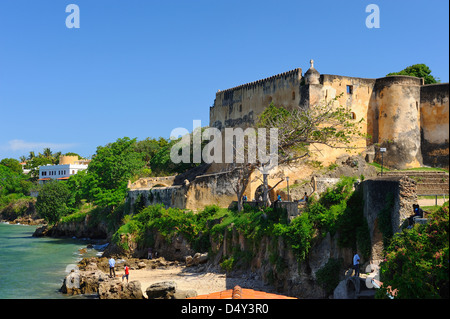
[428, 182]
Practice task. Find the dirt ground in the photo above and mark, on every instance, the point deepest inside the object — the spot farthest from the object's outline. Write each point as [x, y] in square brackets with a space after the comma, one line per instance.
[431, 202]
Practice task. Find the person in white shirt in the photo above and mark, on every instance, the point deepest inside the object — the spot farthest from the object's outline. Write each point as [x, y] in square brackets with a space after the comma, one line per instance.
[356, 264]
[112, 264]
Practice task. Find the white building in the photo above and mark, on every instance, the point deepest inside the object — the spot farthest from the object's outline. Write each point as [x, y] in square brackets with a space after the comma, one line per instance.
[69, 165]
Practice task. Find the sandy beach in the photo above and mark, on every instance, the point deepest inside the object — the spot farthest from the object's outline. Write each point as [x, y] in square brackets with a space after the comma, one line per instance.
[190, 278]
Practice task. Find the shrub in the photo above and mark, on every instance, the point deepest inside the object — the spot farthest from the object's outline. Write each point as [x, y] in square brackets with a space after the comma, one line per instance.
[51, 201]
[417, 260]
[328, 275]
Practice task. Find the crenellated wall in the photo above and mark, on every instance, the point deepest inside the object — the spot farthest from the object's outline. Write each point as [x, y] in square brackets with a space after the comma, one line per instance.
[241, 105]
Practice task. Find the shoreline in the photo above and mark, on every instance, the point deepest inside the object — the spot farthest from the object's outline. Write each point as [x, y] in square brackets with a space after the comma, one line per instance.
[203, 278]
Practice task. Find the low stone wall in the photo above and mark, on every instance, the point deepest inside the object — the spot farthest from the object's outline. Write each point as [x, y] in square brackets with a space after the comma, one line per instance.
[174, 196]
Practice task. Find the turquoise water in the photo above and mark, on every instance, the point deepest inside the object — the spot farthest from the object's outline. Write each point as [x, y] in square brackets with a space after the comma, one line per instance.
[34, 267]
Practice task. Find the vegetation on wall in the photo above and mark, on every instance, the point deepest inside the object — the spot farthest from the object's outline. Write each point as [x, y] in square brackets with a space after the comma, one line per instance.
[339, 209]
[416, 263]
[328, 275]
[419, 71]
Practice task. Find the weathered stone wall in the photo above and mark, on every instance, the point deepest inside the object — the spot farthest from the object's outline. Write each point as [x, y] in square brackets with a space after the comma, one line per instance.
[395, 103]
[211, 189]
[376, 192]
[148, 182]
[174, 196]
[434, 123]
[241, 105]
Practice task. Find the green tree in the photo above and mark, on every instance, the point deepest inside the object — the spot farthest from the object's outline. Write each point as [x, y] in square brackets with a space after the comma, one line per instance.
[149, 147]
[418, 70]
[13, 182]
[110, 170]
[52, 201]
[13, 164]
[161, 163]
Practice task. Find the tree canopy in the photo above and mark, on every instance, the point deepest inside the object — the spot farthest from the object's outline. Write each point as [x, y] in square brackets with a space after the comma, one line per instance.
[52, 201]
[110, 170]
[419, 71]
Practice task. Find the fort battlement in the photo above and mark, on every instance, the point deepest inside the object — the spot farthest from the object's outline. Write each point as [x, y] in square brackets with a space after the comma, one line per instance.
[399, 112]
[295, 73]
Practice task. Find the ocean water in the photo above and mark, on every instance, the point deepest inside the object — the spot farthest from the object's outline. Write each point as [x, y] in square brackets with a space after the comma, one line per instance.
[34, 268]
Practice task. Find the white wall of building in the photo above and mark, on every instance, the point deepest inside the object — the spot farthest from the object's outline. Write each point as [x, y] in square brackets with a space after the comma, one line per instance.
[59, 171]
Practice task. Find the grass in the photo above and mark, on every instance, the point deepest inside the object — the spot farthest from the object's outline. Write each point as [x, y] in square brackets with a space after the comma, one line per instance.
[431, 209]
[431, 169]
[432, 196]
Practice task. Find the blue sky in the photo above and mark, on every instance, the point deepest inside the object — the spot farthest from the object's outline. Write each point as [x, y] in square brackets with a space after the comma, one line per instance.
[142, 68]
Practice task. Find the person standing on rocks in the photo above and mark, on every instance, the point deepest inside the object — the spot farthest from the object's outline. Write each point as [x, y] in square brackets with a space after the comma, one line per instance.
[356, 264]
[112, 264]
[127, 272]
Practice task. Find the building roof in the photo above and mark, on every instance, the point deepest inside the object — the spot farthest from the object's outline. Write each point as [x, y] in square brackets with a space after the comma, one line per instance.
[241, 293]
[44, 179]
[67, 177]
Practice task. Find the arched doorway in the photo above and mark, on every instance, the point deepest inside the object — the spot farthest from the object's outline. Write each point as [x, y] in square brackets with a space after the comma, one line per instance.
[259, 192]
[159, 185]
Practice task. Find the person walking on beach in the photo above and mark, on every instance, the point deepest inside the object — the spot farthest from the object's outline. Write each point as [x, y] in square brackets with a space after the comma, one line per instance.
[127, 272]
[112, 264]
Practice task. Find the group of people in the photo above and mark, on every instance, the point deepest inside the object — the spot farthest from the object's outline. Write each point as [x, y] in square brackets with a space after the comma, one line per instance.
[112, 271]
[303, 199]
[112, 265]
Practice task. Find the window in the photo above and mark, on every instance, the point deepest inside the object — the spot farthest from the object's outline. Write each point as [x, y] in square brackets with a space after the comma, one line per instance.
[349, 89]
[293, 95]
[353, 116]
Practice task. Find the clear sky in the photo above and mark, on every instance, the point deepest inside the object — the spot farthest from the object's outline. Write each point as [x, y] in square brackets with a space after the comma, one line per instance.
[140, 68]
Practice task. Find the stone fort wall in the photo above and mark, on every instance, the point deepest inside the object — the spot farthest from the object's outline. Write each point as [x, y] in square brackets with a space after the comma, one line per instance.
[401, 114]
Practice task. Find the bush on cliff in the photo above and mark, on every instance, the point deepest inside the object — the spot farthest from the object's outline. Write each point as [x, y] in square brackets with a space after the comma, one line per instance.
[168, 222]
[417, 260]
[52, 201]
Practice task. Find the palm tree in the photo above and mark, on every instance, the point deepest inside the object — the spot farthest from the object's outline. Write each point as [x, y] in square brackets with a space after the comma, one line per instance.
[47, 153]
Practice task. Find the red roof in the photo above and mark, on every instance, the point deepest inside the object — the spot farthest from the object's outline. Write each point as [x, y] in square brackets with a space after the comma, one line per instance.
[44, 179]
[240, 293]
[64, 177]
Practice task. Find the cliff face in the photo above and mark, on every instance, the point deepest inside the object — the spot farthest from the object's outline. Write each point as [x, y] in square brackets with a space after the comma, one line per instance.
[74, 229]
[272, 259]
